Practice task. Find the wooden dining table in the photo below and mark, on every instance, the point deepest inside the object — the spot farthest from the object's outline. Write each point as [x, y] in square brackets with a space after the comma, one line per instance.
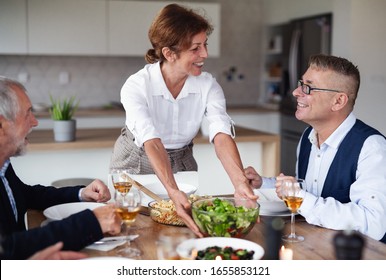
[317, 245]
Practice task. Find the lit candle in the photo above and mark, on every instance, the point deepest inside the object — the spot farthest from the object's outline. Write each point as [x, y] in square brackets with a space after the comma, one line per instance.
[286, 253]
[194, 254]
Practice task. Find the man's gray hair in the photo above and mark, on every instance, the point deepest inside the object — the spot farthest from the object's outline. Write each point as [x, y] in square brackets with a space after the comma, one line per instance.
[9, 106]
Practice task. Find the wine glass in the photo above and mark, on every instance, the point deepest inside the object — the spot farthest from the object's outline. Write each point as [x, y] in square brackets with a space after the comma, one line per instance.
[127, 206]
[168, 241]
[121, 180]
[293, 192]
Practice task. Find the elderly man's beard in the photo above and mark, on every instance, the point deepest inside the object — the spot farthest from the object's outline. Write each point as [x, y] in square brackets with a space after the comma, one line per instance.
[21, 149]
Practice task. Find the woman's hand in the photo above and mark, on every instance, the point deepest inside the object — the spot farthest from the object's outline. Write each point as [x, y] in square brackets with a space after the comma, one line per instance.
[184, 210]
[244, 190]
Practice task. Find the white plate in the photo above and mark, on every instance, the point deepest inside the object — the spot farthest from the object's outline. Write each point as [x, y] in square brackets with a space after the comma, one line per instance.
[272, 207]
[185, 248]
[160, 190]
[267, 194]
[276, 214]
[61, 211]
[271, 204]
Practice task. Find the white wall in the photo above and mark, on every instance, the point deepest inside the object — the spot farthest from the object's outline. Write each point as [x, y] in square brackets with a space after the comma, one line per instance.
[366, 47]
[280, 11]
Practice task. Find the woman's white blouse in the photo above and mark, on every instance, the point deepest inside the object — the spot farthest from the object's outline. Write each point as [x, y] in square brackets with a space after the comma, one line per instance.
[152, 112]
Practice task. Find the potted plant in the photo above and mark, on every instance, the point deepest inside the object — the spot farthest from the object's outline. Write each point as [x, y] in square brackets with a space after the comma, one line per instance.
[62, 111]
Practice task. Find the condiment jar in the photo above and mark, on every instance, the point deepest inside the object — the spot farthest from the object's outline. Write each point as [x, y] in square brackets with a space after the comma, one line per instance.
[349, 245]
[273, 233]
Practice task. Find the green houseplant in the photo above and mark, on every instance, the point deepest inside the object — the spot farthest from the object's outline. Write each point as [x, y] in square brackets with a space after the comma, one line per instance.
[62, 111]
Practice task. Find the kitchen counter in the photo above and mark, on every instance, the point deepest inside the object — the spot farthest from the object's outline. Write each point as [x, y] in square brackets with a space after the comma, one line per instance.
[105, 137]
[251, 117]
[113, 111]
[89, 157]
[86, 112]
[42, 141]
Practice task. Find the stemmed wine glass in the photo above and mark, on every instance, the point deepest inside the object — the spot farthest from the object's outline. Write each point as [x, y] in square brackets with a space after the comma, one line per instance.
[293, 192]
[127, 206]
[122, 180]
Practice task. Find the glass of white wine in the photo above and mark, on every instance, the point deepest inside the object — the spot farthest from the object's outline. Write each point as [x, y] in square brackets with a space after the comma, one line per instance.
[127, 206]
[293, 191]
[121, 180]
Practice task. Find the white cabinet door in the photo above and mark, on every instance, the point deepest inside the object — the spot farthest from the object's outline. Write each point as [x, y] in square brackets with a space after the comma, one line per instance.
[71, 27]
[129, 23]
[13, 26]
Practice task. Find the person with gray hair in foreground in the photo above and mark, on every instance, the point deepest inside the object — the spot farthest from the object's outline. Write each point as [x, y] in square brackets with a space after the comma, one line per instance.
[16, 197]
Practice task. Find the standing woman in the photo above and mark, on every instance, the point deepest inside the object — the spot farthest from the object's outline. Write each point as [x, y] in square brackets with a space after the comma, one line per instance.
[165, 103]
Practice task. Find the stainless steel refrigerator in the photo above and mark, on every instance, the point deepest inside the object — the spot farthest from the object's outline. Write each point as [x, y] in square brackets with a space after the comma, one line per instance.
[301, 39]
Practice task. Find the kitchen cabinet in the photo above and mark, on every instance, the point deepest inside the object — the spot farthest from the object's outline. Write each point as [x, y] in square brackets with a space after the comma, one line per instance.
[129, 22]
[87, 27]
[265, 121]
[72, 27]
[13, 26]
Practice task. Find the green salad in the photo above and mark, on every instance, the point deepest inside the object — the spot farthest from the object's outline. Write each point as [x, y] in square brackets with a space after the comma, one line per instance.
[221, 218]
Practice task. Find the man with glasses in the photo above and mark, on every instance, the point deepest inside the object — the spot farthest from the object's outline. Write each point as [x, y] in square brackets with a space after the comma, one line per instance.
[342, 159]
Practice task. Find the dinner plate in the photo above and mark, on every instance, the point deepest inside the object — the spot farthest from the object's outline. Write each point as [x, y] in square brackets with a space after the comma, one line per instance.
[159, 189]
[271, 204]
[269, 208]
[267, 194]
[185, 248]
[61, 211]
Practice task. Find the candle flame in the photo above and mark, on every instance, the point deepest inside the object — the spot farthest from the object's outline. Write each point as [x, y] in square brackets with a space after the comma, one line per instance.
[194, 254]
[286, 253]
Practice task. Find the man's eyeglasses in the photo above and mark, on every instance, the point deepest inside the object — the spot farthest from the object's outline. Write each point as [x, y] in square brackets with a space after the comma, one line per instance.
[306, 89]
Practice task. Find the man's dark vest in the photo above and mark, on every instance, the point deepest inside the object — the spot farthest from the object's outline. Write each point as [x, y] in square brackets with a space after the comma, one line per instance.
[343, 168]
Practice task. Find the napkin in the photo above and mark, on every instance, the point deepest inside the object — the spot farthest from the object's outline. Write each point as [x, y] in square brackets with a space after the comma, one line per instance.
[109, 243]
